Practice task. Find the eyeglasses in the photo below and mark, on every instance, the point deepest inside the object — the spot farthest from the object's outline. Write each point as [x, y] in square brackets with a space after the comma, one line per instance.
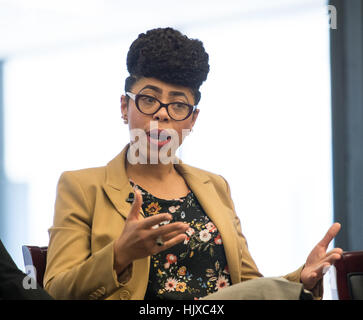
[149, 105]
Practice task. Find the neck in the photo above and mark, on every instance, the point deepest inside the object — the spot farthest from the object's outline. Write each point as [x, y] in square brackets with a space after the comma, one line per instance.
[151, 171]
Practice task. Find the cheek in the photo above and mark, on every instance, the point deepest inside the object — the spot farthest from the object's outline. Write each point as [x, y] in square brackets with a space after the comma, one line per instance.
[136, 120]
[183, 132]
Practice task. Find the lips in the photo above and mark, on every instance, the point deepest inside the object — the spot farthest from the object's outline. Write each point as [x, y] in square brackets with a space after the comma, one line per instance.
[159, 137]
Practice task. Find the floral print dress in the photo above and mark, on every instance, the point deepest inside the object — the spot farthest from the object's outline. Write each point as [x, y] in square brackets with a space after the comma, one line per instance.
[193, 268]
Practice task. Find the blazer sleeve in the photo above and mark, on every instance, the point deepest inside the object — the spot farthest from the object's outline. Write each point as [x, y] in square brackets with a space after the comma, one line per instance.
[73, 271]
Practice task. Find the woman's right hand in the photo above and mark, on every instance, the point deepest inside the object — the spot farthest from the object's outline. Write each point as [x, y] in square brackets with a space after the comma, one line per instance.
[138, 238]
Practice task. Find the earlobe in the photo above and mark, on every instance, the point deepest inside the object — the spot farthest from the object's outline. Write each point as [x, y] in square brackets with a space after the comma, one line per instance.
[123, 102]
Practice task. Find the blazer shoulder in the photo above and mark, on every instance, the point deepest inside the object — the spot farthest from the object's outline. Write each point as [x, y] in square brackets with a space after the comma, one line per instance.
[94, 175]
[217, 179]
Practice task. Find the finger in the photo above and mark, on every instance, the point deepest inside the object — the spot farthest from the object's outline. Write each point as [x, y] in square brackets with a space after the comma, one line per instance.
[171, 235]
[150, 222]
[326, 263]
[335, 250]
[172, 242]
[171, 227]
[171, 230]
[324, 266]
[332, 258]
[136, 206]
[330, 235]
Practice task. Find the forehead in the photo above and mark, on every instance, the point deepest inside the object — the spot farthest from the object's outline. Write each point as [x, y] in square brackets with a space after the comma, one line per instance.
[162, 88]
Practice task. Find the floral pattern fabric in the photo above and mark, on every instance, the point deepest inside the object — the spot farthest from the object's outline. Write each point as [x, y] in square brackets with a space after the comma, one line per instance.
[191, 269]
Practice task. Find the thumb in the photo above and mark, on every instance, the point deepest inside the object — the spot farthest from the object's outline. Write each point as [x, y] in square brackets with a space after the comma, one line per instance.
[136, 206]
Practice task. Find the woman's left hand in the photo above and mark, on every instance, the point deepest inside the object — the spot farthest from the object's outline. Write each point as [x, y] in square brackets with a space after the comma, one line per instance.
[318, 259]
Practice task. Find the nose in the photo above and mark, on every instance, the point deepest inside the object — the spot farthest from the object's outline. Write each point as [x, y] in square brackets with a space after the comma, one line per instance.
[161, 115]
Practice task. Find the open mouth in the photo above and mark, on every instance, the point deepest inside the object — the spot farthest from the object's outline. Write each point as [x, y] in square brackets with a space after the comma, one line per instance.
[158, 137]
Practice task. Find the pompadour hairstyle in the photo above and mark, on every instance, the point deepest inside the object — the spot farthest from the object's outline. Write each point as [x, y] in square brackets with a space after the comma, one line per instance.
[168, 55]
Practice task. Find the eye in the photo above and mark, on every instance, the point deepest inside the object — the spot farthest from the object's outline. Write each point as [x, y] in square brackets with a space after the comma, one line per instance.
[148, 100]
[180, 106]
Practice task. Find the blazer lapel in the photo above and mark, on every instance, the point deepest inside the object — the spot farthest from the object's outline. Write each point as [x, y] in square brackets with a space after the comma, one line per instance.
[203, 188]
[117, 185]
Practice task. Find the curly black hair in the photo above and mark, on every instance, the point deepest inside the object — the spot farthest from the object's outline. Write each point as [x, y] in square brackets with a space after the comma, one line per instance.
[168, 55]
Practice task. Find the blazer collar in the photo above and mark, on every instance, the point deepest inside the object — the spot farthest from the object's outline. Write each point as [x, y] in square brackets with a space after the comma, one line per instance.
[117, 185]
[118, 188]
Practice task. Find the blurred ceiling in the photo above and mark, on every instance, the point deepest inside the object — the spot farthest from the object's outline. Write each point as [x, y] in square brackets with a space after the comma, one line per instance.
[30, 26]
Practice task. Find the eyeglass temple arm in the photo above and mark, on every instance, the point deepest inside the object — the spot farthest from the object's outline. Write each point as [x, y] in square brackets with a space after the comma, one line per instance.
[131, 95]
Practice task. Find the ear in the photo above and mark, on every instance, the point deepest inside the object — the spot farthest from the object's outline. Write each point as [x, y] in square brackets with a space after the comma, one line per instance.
[124, 106]
[194, 118]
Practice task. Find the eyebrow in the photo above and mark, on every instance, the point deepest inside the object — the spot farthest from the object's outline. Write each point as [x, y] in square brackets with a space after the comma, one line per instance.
[159, 90]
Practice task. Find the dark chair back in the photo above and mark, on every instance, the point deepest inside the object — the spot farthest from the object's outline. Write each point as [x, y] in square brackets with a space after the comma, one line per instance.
[350, 276]
[36, 257]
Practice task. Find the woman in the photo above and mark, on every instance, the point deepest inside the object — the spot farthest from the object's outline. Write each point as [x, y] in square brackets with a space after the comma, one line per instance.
[147, 226]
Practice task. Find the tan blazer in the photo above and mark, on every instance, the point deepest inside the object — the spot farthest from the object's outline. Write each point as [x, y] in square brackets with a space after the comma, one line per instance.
[90, 213]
